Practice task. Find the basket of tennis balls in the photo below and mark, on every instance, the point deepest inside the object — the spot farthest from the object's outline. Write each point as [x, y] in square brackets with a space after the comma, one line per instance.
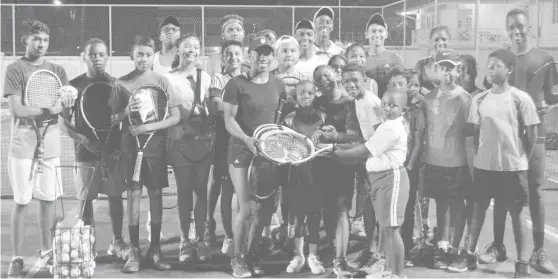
[74, 251]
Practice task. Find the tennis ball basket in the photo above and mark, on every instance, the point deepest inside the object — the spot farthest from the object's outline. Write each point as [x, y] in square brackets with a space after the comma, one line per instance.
[73, 243]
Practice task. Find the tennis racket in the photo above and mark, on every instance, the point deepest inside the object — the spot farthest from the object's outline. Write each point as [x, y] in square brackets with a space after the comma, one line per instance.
[290, 99]
[289, 147]
[96, 113]
[42, 91]
[154, 108]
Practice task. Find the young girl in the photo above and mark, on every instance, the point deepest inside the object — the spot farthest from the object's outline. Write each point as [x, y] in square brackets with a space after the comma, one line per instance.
[357, 54]
[302, 194]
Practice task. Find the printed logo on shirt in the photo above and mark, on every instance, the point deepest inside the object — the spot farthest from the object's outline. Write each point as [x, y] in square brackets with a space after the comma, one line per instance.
[236, 161]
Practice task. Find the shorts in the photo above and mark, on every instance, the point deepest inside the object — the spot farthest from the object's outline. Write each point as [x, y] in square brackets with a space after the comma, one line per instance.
[193, 178]
[446, 182]
[390, 192]
[239, 155]
[300, 193]
[337, 182]
[153, 174]
[509, 186]
[88, 177]
[41, 187]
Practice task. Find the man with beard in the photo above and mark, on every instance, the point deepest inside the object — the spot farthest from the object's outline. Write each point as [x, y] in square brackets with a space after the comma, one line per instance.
[380, 60]
[528, 61]
[323, 21]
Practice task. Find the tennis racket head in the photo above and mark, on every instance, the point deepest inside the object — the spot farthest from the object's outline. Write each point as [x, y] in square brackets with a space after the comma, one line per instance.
[285, 147]
[263, 178]
[291, 83]
[545, 78]
[95, 109]
[42, 90]
[154, 105]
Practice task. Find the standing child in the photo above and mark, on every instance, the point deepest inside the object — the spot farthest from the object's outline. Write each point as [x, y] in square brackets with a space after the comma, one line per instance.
[303, 194]
[357, 54]
[446, 175]
[386, 151]
[506, 121]
[154, 165]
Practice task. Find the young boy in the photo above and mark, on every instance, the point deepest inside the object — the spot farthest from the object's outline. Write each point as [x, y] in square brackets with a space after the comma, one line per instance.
[154, 165]
[305, 34]
[367, 108]
[46, 187]
[529, 59]
[506, 121]
[107, 176]
[385, 152]
[446, 175]
[324, 20]
[303, 194]
[380, 60]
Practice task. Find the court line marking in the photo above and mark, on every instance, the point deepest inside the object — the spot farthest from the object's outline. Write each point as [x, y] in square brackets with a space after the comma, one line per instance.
[40, 264]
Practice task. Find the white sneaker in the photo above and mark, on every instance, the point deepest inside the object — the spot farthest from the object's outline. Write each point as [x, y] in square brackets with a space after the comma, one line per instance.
[315, 265]
[357, 227]
[296, 264]
[227, 243]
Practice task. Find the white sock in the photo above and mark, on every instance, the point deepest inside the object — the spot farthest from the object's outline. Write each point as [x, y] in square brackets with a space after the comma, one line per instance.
[444, 245]
[299, 246]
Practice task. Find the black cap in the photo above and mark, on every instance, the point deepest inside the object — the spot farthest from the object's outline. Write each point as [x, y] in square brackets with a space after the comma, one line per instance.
[170, 20]
[376, 19]
[505, 55]
[324, 11]
[260, 42]
[304, 24]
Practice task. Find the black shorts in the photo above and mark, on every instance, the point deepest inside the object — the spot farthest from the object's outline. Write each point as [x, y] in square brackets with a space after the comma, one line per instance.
[301, 194]
[508, 186]
[446, 182]
[153, 175]
[337, 182]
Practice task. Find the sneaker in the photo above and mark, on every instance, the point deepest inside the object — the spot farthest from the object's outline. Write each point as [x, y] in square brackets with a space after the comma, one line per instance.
[409, 263]
[155, 259]
[494, 252]
[227, 244]
[192, 232]
[119, 248]
[315, 265]
[459, 263]
[266, 245]
[341, 268]
[239, 267]
[45, 259]
[472, 260]
[17, 268]
[202, 252]
[363, 258]
[441, 259]
[296, 264]
[255, 265]
[187, 251]
[357, 227]
[209, 236]
[522, 270]
[539, 261]
[133, 263]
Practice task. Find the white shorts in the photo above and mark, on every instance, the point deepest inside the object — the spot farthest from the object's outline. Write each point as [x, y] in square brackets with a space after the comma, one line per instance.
[43, 186]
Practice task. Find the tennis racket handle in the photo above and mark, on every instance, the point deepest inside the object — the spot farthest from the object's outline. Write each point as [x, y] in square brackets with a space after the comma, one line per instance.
[137, 168]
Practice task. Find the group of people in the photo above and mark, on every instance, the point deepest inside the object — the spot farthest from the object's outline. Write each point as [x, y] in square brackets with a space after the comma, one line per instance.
[401, 137]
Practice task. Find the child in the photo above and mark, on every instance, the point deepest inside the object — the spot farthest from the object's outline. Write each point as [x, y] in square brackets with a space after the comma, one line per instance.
[303, 195]
[446, 175]
[367, 108]
[305, 34]
[232, 55]
[163, 60]
[107, 176]
[323, 20]
[380, 60]
[357, 54]
[505, 120]
[440, 38]
[386, 151]
[23, 144]
[287, 53]
[154, 165]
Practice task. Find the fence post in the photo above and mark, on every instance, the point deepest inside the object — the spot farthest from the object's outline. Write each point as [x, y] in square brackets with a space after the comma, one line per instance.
[538, 21]
[13, 32]
[203, 30]
[110, 38]
[293, 20]
[404, 29]
[477, 31]
[435, 12]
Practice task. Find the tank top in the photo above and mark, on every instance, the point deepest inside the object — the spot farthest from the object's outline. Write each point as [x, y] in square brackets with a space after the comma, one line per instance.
[157, 67]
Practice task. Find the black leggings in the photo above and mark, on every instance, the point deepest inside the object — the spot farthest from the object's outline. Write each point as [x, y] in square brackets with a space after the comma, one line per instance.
[313, 222]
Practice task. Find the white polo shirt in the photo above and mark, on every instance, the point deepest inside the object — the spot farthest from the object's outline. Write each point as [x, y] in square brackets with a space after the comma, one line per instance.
[368, 113]
[388, 146]
[332, 50]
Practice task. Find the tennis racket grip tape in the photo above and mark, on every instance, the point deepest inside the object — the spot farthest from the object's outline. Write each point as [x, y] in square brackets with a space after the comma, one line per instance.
[137, 167]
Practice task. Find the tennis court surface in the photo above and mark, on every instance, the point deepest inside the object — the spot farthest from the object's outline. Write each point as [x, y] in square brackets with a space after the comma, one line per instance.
[218, 267]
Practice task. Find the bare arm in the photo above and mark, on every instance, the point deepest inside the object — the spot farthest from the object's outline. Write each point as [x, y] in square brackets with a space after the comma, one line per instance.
[417, 147]
[230, 122]
[355, 152]
[476, 137]
[532, 135]
[18, 110]
[172, 120]
[69, 129]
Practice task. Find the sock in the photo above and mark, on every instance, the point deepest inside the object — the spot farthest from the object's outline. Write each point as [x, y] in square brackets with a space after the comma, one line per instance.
[299, 246]
[134, 235]
[444, 245]
[155, 235]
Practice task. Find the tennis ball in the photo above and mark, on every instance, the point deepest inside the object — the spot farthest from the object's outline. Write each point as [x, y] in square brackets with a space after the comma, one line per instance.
[86, 249]
[65, 248]
[64, 271]
[74, 255]
[65, 238]
[65, 258]
[74, 244]
[92, 239]
[58, 258]
[75, 272]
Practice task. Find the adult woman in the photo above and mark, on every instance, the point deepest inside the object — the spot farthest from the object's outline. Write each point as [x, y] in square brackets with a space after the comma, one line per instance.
[250, 100]
[194, 133]
[439, 37]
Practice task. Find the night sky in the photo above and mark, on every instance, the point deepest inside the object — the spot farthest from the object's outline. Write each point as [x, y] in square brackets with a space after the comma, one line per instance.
[216, 2]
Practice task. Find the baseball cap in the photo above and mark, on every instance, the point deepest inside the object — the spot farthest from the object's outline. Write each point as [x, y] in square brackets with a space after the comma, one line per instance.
[304, 24]
[447, 55]
[170, 20]
[505, 55]
[260, 42]
[324, 11]
[376, 19]
[285, 39]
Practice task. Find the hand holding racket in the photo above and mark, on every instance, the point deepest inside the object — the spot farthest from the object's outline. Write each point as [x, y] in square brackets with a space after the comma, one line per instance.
[544, 79]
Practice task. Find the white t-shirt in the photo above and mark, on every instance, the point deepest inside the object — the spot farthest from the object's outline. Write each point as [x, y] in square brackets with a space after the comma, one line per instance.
[307, 67]
[184, 93]
[388, 146]
[332, 50]
[368, 113]
[157, 67]
[500, 144]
